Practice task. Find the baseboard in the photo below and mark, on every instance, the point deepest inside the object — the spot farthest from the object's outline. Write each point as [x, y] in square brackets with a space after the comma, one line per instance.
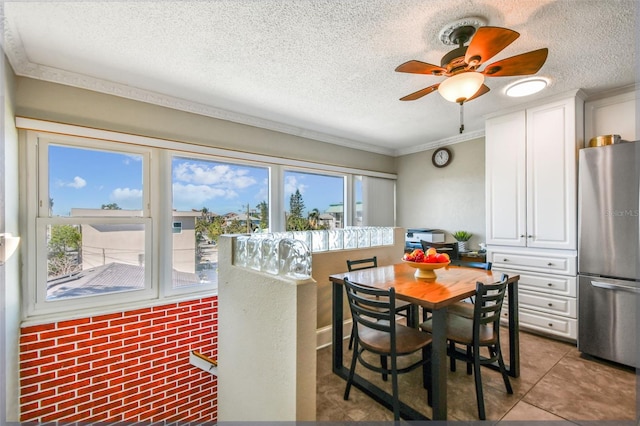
[323, 335]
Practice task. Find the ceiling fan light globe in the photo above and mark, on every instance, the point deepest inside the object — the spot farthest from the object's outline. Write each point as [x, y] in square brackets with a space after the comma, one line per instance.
[461, 87]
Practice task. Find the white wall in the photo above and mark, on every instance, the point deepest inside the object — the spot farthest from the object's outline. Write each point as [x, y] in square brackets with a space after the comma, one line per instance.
[9, 276]
[449, 198]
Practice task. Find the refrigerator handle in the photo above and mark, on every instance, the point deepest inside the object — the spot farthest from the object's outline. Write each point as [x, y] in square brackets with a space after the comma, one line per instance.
[609, 286]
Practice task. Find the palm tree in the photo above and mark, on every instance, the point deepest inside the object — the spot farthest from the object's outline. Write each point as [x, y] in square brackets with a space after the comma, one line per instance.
[314, 215]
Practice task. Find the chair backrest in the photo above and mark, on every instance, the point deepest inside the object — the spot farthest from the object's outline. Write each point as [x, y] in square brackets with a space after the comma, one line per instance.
[355, 265]
[480, 265]
[488, 305]
[372, 308]
[450, 248]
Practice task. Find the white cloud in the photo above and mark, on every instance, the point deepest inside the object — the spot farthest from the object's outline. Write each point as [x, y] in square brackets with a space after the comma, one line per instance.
[197, 196]
[291, 184]
[127, 197]
[218, 175]
[77, 183]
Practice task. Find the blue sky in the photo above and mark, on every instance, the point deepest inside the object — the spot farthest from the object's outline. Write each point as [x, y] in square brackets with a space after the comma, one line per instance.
[84, 178]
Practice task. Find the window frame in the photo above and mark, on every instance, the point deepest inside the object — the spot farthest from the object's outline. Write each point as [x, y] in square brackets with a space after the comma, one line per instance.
[157, 205]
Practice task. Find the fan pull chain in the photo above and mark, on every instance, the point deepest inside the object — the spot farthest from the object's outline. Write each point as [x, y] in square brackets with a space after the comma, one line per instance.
[461, 117]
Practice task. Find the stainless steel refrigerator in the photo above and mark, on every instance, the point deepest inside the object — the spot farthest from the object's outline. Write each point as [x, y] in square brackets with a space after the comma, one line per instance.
[608, 255]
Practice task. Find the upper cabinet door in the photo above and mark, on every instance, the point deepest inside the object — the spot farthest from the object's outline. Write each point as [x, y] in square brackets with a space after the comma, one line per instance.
[551, 147]
[505, 177]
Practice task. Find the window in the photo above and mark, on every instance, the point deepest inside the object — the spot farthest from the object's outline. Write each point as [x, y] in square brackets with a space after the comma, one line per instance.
[92, 228]
[115, 219]
[213, 198]
[313, 201]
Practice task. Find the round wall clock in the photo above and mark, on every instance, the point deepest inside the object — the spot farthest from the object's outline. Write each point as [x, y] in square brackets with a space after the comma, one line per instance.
[441, 157]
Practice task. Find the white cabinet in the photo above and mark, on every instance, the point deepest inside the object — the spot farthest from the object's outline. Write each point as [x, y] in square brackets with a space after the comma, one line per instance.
[531, 203]
[531, 162]
[612, 115]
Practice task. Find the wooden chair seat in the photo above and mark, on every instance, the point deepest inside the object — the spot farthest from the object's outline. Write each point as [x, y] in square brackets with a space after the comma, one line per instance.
[460, 330]
[409, 340]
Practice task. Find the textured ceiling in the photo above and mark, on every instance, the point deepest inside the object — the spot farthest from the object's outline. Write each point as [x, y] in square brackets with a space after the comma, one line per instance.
[323, 69]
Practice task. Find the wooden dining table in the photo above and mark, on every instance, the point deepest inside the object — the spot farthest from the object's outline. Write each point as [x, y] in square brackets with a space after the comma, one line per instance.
[452, 284]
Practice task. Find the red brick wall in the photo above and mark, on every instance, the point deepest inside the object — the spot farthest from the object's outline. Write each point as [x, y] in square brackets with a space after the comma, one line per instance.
[128, 366]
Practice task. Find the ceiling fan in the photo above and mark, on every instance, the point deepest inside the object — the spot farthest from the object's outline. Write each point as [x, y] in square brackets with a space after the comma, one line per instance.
[461, 65]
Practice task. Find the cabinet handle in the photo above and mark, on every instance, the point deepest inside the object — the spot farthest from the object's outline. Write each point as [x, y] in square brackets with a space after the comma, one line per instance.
[505, 260]
[550, 304]
[522, 235]
[549, 264]
[529, 236]
[550, 325]
[550, 284]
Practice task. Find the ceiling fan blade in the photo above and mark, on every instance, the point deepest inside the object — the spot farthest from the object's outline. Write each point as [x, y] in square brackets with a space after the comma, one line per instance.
[421, 93]
[524, 64]
[481, 91]
[487, 42]
[418, 67]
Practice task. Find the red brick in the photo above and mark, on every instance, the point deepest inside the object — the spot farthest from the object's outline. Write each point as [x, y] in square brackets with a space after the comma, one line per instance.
[106, 392]
[109, 331]
[137, 312]
[165, 307]
[36, 415]
[74, 354]
[26, 390]
[93, 403]
[59, 415]
[76, 385]
[74, 338]
[137, 368]
[29, 338]
[106, 347]
[137, 325]
[92, 326]
[38, 379]
[77, 417]
[124, 320]
[151, 316]
[55, 333]
[164, 320]
[36, 346]
[28, 372]
[91, 358]
[74, 402]
[37, 328]
[92, 342]
[144, 338]
[94, 372]
[122, 350]
[107, 317]
[59, 397]
[56, 349]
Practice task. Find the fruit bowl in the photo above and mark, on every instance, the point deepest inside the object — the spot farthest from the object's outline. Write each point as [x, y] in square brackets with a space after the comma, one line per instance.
[425, 270]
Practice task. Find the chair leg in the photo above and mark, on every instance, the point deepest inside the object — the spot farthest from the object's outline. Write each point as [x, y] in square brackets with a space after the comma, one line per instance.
[503, 371]
[352, 371]
[478, 382]
[452, 359]
[394, 387]
[469, 366]
[427, 374]
[353, 335]
[383, 363]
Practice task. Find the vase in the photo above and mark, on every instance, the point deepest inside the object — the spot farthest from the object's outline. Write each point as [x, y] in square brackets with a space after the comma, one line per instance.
[462, 246]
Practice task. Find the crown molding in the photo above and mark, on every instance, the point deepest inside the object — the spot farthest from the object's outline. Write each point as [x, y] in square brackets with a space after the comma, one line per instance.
[25, 68]
[442, 142]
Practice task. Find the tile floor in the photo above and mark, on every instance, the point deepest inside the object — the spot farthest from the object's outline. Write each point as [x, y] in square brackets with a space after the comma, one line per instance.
[557, 383]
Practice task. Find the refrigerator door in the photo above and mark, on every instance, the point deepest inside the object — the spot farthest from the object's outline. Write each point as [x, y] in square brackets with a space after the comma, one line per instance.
[608, 211]
[608, 324]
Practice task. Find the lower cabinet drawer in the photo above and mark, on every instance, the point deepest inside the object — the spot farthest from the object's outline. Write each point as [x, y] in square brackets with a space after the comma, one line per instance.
[548, 303]
[562, 285]
[551, 325]
[563, 264]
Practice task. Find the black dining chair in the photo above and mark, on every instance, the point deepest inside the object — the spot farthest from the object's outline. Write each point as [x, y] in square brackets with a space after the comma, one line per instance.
[377, 332]
[405, 309]
[482, 330]
[450, 248]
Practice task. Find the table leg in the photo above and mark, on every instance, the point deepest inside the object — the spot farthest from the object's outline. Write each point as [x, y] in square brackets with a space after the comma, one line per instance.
[514, 327]
[338, 317]
[439, 364]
